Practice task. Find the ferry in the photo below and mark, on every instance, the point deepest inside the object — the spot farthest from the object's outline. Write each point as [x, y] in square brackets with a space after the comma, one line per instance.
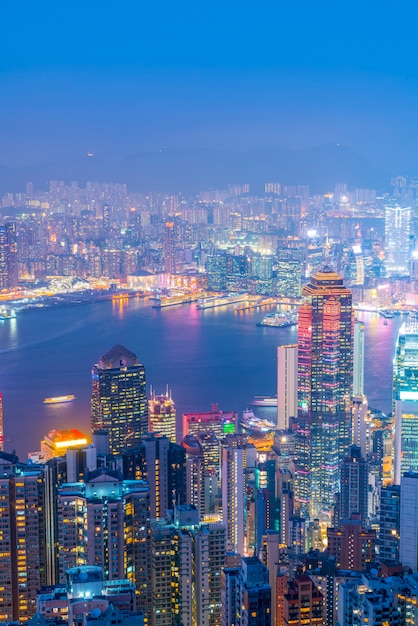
[7, 314]
[256, 426]
[214, 301]
[59, 399]
[279, 320]
[267, 401]
[388, 315]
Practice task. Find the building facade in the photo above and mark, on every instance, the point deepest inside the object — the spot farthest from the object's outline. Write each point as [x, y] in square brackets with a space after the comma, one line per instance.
[118, 402]
[325, 363]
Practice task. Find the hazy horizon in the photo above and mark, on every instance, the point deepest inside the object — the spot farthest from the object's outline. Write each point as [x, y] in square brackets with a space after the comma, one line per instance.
[115, 81]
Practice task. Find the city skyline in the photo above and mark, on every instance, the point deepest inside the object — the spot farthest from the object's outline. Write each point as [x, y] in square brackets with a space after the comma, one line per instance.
[227, 194]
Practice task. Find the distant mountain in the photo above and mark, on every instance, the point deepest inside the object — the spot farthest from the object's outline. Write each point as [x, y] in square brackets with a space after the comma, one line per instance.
[200, 169]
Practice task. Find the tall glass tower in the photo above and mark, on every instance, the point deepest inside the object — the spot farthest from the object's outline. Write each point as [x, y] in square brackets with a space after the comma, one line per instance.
[405, 399]
[118, 401]
[325, 365]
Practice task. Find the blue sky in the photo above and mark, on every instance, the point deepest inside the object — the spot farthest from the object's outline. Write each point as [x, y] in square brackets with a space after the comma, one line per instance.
[124, 76]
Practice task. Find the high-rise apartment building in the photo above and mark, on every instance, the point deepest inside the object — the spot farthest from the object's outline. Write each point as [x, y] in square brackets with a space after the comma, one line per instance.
[389, 523]
[186, 563]
[103, 522]
[22, 538]
[119, 402]
[169, 248]
[8, 256]
[352, 545]
[237, 457]
[354, 486]
[246, 594]
[325, 362]
[303, 603]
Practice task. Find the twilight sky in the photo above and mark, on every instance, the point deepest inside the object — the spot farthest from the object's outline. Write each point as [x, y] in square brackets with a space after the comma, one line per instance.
[123, 76]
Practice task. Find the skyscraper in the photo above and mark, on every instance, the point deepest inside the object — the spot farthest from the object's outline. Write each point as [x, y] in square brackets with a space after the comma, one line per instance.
[162, 415]
[408, 548]
[287, 385]
[397, 231]
[22, 538]
[325, 362]
[389, 523]
[118, 402]
[354, 485]
[169, 248]
[405, 399]
[358, 359]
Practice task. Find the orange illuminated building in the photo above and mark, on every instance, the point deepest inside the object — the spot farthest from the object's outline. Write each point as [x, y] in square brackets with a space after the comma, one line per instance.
[57, 442]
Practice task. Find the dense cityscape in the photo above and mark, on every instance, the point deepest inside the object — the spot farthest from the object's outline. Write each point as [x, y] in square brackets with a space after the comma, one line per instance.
[309, 516]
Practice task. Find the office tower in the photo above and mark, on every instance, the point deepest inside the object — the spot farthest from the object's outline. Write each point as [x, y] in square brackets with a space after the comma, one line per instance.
[352, 545]
[303, 603]
[118, 402]
[389, 523]
[221, 423]
[162, 415]
[57, 442]
[325, 360]
[354, 486]
[238, 456]
[216, 269]
[289, 269]
[169, 248]
[358, 359]
[287, 385]
[361, 425]
[405, 399]
[22, 538]
[356, 267]
[408, 548]
[406, 438]
[397, 232]
[177, 474]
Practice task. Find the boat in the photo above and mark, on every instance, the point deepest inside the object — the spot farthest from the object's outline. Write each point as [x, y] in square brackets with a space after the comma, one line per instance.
[59, 399]
[7, 314]
[279, 320]
[387, 314]
[267, 401]
[255, 426]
